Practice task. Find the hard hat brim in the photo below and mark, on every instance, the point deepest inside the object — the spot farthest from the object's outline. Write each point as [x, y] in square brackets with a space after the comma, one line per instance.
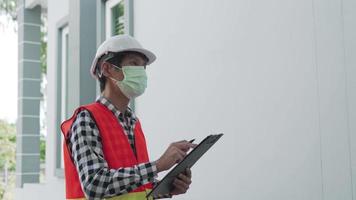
[150, 56]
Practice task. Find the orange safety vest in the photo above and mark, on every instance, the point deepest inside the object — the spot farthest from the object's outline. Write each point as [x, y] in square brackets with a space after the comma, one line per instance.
[116, 148]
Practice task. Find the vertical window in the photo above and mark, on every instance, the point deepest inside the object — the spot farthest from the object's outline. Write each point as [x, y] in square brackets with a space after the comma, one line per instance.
[115, 22]
[62, 93]
[64, 81]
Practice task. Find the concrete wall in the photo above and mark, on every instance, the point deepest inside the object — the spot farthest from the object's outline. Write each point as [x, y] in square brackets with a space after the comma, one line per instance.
[277, 77]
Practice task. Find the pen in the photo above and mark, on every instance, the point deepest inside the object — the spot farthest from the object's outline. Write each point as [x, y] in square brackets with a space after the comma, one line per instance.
[191, 141]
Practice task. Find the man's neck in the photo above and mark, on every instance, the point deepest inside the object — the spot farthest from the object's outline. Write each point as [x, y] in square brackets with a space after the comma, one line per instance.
[119, 100]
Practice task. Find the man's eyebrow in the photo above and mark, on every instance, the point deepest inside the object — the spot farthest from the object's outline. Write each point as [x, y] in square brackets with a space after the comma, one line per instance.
[134, 56]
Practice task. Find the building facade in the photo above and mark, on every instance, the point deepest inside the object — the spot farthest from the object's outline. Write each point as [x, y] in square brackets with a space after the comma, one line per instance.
[278, 78]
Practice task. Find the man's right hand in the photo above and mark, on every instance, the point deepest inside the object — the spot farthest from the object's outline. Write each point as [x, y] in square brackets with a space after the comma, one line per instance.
[174, 154]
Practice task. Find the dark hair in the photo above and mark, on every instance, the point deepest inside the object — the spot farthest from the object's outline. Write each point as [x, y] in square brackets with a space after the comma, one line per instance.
[112, 58]
[102, 82]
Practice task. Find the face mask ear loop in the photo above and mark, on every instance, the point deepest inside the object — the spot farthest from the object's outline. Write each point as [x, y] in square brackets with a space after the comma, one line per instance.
[116, 67]
[119, 68]
[100, 73]
[114, 79]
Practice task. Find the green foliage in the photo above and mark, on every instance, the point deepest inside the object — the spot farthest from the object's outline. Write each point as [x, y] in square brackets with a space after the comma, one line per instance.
[8, 7]
[2, 192]
[43, 56]
[118, 12]
[7, 145]
[119, 28]
[42, 149]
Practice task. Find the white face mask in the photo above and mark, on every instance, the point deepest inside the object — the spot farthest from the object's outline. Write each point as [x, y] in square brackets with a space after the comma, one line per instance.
[134, 83]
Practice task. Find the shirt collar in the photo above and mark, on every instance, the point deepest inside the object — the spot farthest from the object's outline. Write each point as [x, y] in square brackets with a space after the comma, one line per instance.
[106, 102]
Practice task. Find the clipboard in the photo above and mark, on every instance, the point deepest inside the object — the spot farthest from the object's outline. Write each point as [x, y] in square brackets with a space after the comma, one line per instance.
[165, 185]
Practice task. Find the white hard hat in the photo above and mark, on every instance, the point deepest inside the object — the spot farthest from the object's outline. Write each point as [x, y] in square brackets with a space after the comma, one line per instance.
[120, 43]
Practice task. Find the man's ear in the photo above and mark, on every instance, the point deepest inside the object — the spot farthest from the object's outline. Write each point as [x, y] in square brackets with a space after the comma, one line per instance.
[105, 69]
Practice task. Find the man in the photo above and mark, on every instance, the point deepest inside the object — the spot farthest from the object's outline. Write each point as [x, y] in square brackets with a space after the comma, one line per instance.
[105, 152]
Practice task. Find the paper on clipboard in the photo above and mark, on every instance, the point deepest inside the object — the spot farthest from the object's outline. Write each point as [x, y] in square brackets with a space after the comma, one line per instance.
[165, 185]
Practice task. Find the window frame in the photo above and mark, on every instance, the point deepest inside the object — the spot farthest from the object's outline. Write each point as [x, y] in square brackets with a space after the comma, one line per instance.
[61, 111]
[64, 82]
[64, 71]
[109, 5]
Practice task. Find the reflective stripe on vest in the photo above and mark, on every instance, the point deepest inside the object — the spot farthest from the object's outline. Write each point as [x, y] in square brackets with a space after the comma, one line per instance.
[128, 196]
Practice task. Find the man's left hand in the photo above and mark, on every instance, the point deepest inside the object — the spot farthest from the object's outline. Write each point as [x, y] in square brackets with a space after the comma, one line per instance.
[182, 182]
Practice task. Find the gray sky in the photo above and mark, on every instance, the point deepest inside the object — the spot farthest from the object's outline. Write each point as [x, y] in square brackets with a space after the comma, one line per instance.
[8, 69]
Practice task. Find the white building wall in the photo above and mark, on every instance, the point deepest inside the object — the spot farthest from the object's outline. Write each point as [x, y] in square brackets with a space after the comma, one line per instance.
[349, 7]
[277, 77]
[53, 187]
